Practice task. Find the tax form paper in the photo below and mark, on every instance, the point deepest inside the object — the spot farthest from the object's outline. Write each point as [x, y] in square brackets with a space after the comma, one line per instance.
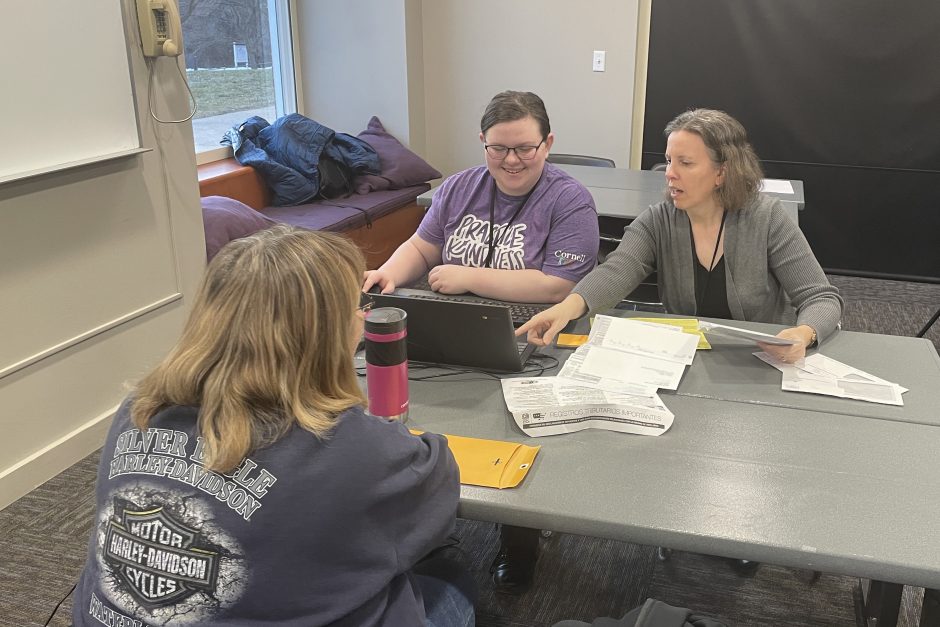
[818, 374]
[608, 383]
[550, 406]
[627, 356]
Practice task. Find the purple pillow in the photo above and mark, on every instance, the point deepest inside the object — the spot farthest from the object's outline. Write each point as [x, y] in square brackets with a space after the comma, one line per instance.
[225, 219]
[400, 167]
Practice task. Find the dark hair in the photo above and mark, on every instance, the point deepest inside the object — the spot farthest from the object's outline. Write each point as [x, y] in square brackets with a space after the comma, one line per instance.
[726, 141]
[509, 106]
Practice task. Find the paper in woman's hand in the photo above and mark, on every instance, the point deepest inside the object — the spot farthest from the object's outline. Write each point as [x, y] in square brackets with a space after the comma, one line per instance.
[715, 329]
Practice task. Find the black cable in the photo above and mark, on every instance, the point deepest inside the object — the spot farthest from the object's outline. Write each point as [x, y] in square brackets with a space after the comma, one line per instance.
[486, 375]
[59, 604]
[538, 369]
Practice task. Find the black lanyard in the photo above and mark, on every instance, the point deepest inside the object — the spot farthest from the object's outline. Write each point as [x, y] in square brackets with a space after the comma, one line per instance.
[700, 295]
[493, 242]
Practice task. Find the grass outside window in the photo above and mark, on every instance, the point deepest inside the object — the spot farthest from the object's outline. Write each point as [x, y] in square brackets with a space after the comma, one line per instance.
[225, 91]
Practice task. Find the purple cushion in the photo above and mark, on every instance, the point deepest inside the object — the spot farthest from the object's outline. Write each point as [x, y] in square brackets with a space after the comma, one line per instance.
[400, 167]
[225, 219]
[344, 214]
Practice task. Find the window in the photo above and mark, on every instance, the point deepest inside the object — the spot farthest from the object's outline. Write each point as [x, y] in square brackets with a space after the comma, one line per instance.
[239, 63]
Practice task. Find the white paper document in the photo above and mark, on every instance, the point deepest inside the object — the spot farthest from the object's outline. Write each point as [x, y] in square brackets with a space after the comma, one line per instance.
[630, 357]
[715, 329]
[776, 186]
[550, 406]
[612, 380]
[627, 367]
[818, 374]
[644, 338]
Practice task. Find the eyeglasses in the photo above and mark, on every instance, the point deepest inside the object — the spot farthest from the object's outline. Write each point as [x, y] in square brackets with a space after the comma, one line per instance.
[495, 151]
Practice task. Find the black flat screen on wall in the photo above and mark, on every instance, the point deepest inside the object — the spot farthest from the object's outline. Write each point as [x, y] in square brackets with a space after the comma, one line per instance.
[843, 95]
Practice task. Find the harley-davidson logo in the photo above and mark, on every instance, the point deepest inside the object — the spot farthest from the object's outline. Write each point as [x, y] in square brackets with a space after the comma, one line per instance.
[158, 558]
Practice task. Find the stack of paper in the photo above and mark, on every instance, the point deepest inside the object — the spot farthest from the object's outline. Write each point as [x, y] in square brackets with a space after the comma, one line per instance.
[608, 383]
[688, 325]
[818, 374]
[623, 355]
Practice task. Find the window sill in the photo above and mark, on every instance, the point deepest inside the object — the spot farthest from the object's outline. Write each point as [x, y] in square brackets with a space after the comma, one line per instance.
[216, 154]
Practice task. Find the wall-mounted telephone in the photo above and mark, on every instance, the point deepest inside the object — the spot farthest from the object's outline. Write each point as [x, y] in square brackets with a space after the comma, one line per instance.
[160, 31]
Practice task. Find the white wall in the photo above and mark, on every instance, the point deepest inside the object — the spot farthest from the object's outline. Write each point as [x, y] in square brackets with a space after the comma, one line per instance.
[353, 58]
[427, 68]
[472, 50]
[97, 266]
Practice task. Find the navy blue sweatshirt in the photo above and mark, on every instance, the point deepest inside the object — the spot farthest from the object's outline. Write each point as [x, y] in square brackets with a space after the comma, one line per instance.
[302, 533]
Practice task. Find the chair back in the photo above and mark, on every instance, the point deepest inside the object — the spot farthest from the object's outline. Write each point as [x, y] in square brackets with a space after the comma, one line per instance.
[567, 159]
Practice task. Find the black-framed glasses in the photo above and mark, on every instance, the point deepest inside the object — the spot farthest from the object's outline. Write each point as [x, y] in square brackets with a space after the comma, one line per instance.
[495, 151]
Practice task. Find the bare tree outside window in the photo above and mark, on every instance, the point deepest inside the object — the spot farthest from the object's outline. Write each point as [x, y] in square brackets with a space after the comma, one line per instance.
[230, 64]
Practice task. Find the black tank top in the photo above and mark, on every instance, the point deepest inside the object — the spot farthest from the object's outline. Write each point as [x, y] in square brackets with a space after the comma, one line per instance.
[711, 293]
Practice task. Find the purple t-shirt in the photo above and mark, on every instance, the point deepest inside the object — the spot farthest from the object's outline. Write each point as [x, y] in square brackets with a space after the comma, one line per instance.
[555, 231]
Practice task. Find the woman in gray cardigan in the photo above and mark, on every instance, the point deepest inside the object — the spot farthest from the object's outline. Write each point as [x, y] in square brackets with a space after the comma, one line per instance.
[720, 248]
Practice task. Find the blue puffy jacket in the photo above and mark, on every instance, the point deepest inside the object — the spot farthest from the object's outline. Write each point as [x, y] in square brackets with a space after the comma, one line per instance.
[287, 154]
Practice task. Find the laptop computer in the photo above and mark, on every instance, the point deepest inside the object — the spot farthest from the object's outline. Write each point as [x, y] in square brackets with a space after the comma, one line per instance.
[458, 331]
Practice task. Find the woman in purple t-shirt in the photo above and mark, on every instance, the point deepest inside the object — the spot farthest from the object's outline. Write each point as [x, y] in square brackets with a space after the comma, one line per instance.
[515, 229]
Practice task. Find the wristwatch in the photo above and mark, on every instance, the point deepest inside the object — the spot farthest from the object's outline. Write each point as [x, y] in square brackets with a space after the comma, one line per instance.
[812, 341]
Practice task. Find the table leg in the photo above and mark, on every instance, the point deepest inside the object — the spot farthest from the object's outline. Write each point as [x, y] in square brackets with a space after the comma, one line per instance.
[882, 604]
[929, 324]
[930, 613]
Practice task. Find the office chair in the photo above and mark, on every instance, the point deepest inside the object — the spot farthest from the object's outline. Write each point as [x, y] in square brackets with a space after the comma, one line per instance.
[646, 296]
[566, 159]
[929, 324]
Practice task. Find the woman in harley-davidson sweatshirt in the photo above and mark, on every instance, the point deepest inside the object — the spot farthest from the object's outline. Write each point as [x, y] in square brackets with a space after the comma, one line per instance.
[243, 484]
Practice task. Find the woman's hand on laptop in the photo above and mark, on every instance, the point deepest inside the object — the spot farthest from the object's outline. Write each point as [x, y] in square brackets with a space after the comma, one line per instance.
[543, 327]
[380, 278]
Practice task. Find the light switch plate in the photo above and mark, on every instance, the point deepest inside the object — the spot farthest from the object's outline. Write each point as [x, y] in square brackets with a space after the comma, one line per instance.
[600, 61]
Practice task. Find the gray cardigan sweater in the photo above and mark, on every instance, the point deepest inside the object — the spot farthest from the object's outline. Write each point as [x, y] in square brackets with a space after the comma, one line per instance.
[770, 271]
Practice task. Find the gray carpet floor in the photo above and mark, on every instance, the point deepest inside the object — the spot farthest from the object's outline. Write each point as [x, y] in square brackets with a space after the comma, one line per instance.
[43, 539]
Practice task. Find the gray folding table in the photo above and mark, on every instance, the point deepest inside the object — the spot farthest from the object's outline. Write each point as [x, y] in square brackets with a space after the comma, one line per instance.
[746, 470]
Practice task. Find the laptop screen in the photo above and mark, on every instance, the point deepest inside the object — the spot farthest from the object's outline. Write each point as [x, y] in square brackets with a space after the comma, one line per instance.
[455, 332]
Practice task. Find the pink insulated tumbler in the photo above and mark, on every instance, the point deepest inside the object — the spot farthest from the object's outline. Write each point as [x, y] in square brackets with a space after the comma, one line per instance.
[387, 362]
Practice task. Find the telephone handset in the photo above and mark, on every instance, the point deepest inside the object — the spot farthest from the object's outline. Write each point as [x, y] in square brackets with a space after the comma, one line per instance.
[160, 32]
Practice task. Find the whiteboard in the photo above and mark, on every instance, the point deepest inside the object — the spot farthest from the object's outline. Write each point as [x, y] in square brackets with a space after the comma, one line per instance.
[67, 91]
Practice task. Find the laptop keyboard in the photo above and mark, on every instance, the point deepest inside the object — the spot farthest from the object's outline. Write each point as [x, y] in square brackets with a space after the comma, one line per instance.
[519, 312]
[522, 312]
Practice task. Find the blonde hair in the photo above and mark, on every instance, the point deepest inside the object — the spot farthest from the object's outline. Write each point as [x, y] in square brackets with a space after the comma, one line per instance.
[726, 141]
[268, 344]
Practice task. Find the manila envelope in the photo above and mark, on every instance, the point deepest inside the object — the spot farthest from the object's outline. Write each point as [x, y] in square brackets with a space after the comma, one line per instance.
[491, 463]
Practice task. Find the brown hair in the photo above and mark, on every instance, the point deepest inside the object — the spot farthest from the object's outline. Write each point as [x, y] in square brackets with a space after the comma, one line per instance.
[509, 106]
[726, 141]
[268, 344]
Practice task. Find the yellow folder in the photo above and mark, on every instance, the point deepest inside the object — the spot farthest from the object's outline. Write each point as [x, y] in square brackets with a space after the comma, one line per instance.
[688, 325]
[491, 463]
